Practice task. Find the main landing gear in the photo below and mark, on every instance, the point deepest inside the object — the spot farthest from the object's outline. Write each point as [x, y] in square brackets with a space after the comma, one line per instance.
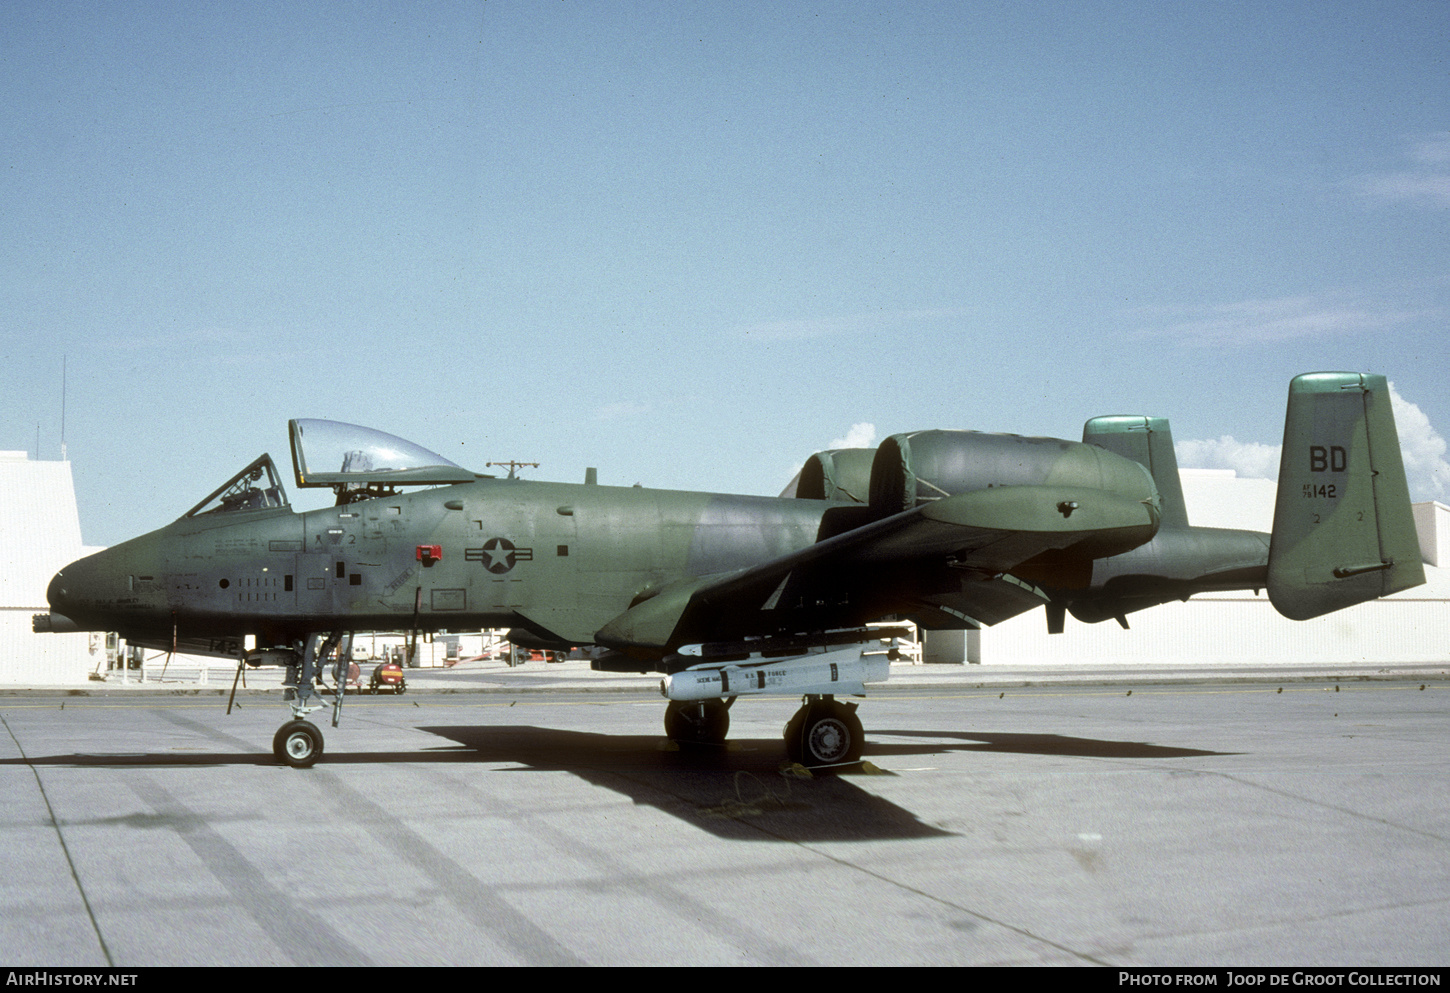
[824, 732]
[698, 722]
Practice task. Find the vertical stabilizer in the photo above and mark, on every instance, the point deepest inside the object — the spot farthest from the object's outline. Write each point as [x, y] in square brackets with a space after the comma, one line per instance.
[1147, 441]
[1343, 529]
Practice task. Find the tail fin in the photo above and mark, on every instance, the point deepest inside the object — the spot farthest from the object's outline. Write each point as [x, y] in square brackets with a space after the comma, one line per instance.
[1147, 441]
[1343, 529]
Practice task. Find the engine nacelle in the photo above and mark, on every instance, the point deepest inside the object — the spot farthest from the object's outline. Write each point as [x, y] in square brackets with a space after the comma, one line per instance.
[925, 466]
[839, 474]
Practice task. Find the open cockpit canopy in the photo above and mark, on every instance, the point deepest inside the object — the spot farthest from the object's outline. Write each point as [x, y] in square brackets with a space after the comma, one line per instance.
[254, 488]
[354, 459]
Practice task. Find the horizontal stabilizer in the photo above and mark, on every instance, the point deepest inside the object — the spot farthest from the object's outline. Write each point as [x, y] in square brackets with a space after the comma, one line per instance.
[1343, 529]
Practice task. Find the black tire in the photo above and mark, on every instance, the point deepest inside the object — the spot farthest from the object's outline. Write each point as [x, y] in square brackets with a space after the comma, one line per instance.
[827, 733]
[298, 744]
[793, 735]
[697, 722]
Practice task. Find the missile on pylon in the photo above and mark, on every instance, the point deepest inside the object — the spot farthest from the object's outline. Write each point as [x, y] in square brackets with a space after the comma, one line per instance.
[839, 673]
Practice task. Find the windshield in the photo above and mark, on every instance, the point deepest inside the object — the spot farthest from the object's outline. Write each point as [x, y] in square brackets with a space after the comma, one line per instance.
[328, 453]
[254, 488]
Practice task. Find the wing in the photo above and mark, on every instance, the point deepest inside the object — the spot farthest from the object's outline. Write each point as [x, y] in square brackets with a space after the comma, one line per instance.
[962, 561]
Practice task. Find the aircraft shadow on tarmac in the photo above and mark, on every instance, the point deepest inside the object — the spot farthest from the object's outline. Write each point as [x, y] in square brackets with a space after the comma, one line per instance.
[738, 791]
[1032, 744]
[734, 792]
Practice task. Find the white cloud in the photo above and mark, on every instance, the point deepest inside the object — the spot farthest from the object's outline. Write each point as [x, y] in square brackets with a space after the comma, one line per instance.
[1426, 182]
[1422, 448]
[623, 410]
[873, 321]
[1248, 322]
[1433, 149]
[1428, 188]
[798, 330]
[1252, 459]
[861, 435]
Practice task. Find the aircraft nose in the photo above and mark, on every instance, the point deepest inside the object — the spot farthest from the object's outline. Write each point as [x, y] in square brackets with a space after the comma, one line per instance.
[77, 592]
[55, 591]
[116, 589]
[58, 620]
[66, 590]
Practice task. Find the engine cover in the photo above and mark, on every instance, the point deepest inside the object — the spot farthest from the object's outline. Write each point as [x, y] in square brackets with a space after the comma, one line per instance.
[838, 474]
[925, 466]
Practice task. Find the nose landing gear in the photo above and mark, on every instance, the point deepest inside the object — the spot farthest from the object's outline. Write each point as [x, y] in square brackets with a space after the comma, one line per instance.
[298, 744]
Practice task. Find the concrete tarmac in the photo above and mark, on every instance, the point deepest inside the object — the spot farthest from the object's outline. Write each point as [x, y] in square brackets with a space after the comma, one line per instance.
[537, 816]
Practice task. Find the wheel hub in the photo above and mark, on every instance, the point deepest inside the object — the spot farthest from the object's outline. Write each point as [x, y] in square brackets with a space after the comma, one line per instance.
[829, 740]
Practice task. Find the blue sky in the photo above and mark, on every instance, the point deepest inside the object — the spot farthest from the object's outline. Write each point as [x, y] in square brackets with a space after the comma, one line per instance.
[690, 244]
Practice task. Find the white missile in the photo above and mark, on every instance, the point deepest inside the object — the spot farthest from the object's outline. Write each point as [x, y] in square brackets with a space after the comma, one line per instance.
[843, 672]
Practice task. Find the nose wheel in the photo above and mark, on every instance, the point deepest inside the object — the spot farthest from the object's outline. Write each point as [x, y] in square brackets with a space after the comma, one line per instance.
[298, 744]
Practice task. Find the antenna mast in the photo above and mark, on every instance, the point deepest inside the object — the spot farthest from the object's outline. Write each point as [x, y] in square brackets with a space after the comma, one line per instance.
[62, 411]
[513, 467]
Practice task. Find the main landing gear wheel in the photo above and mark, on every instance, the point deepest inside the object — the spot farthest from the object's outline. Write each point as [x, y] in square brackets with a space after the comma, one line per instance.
[825, 732]
[298, 744]
[697, 722]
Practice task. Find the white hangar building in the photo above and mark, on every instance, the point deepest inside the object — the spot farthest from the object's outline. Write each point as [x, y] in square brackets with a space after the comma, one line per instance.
[40, 532]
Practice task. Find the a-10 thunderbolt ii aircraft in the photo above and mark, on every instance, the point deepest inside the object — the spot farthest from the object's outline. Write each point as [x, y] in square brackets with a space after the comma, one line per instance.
[735, 595]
